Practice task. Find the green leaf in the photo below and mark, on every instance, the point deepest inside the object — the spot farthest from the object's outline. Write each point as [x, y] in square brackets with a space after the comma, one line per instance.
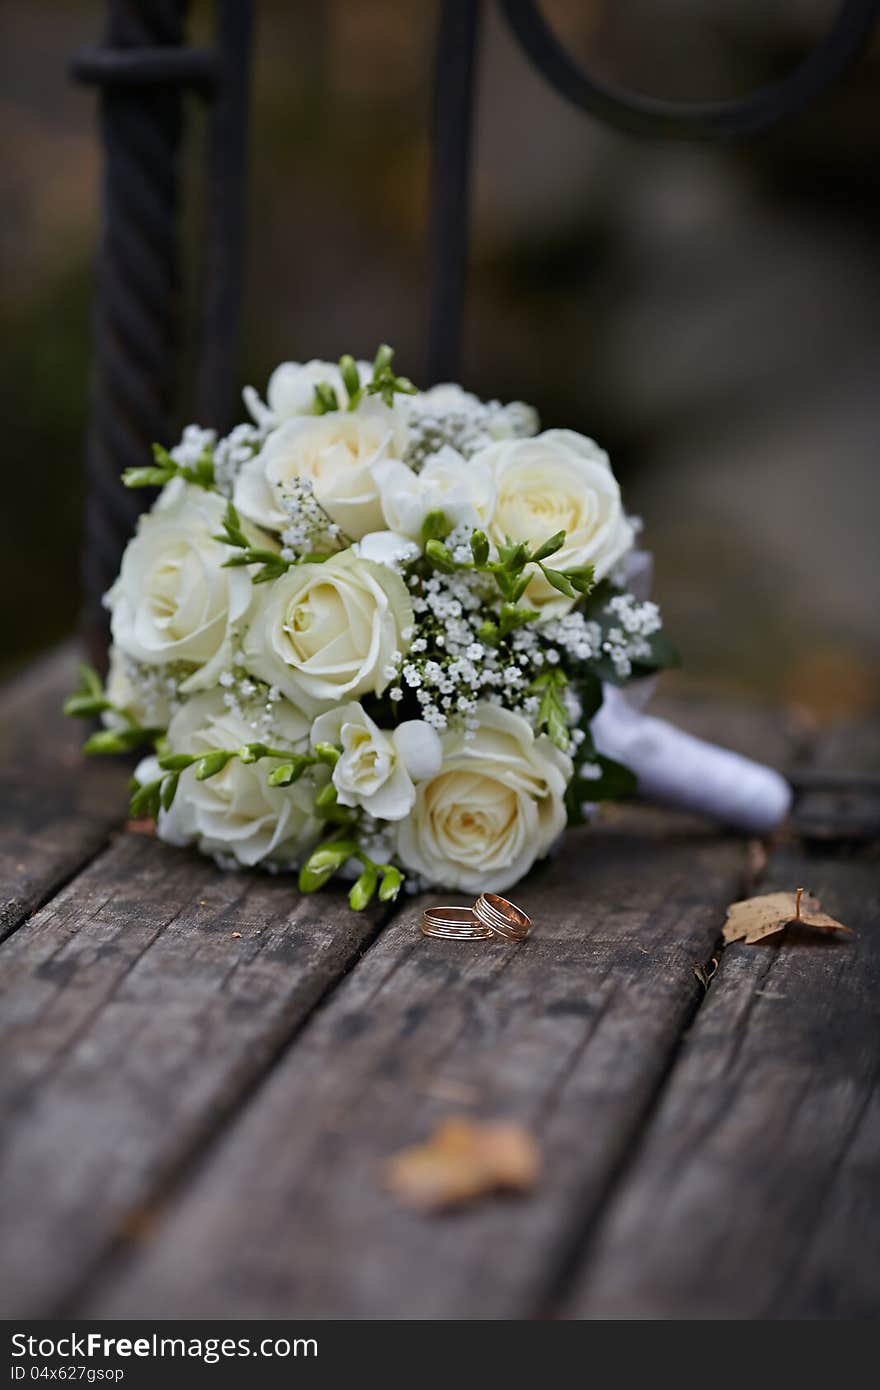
[162, 458]
[88, 680]
[176, 762]
[147, 477]
[283, 775]
[513, 555]
[392, 882]
[232, 533]
[488, 632]
[212, 763]
[202, 475]
[480, 547]
[350, 379]
[252, 752]
[435, 527]
[326, 798]
[145, 801]
[549, 547]
[287, 773]
[326, 399]
[582, 579]
[383, 359]
[440, 556]
[560, 581]
[82, 706]
[169, 790]
[513, 617]
[323, 862]
[552, 714]
[119, 740]
[363, 888]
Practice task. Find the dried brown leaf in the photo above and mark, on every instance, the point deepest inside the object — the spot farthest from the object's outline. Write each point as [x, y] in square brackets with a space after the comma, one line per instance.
[754, 918]
[464, 1159]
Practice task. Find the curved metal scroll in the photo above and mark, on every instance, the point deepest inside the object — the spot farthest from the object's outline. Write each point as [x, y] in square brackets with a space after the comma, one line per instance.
[651, 116]
[629, 111]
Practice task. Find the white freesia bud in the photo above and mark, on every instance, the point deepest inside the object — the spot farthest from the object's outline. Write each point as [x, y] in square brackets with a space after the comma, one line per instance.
[462, 489]
[337, 454]
[377, 770]
[327, 632]
[387, 548]
[291, 390]
[173, 600]
[496, 805]
[236, 812]
[558, 481]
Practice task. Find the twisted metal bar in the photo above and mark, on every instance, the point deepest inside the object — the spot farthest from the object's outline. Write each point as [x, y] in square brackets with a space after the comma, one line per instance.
[135, 311]
[223, 266]
[644, 115]
[451, 144]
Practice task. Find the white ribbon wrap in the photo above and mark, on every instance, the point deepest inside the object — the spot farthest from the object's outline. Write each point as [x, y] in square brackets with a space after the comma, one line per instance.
[676, 768]
[680, 770]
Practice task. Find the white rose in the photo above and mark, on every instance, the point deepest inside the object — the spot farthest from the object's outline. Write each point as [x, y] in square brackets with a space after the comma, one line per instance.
[327, 632]
[496, 805]
[173, 601]
[378, 770]
[558, 481]
[337, 453]
[463, 490]
[236, 812]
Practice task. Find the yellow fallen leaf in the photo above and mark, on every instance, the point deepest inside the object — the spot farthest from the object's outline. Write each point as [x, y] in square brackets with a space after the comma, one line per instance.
[464, 1159]
[754, 918]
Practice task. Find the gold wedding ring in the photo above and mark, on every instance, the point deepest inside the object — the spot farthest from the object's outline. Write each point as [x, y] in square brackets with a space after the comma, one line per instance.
[503, 918]
[453, 924]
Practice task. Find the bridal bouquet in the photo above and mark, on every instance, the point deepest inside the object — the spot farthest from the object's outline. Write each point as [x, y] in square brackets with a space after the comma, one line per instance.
[367, 633]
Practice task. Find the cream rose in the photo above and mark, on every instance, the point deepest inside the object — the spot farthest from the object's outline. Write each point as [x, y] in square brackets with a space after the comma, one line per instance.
[327, 632]
[377, 770]
[173, 601]
[495, 806]
[463, 490]
[236, 812]
[337, 453]
[558, 481]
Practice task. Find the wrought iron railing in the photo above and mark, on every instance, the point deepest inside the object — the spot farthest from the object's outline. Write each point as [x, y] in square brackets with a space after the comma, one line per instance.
[143, 68]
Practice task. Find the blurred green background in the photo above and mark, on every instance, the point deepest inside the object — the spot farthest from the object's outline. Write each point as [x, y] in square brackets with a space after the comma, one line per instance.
[709, 314]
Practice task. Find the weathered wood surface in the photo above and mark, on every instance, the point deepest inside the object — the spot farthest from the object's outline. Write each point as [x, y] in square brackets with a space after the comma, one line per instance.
[754, 1190]
[194, 1122]
[131, 1022]
[57, 809]
[570, 1033]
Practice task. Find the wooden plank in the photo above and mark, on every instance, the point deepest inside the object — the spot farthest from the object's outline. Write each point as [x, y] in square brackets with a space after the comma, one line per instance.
[570, 1032]
[57, 809]
[136, 1008]
[753, 1191]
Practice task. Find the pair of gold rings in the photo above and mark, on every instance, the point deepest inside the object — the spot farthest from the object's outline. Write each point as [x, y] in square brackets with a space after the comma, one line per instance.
[490, 915]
